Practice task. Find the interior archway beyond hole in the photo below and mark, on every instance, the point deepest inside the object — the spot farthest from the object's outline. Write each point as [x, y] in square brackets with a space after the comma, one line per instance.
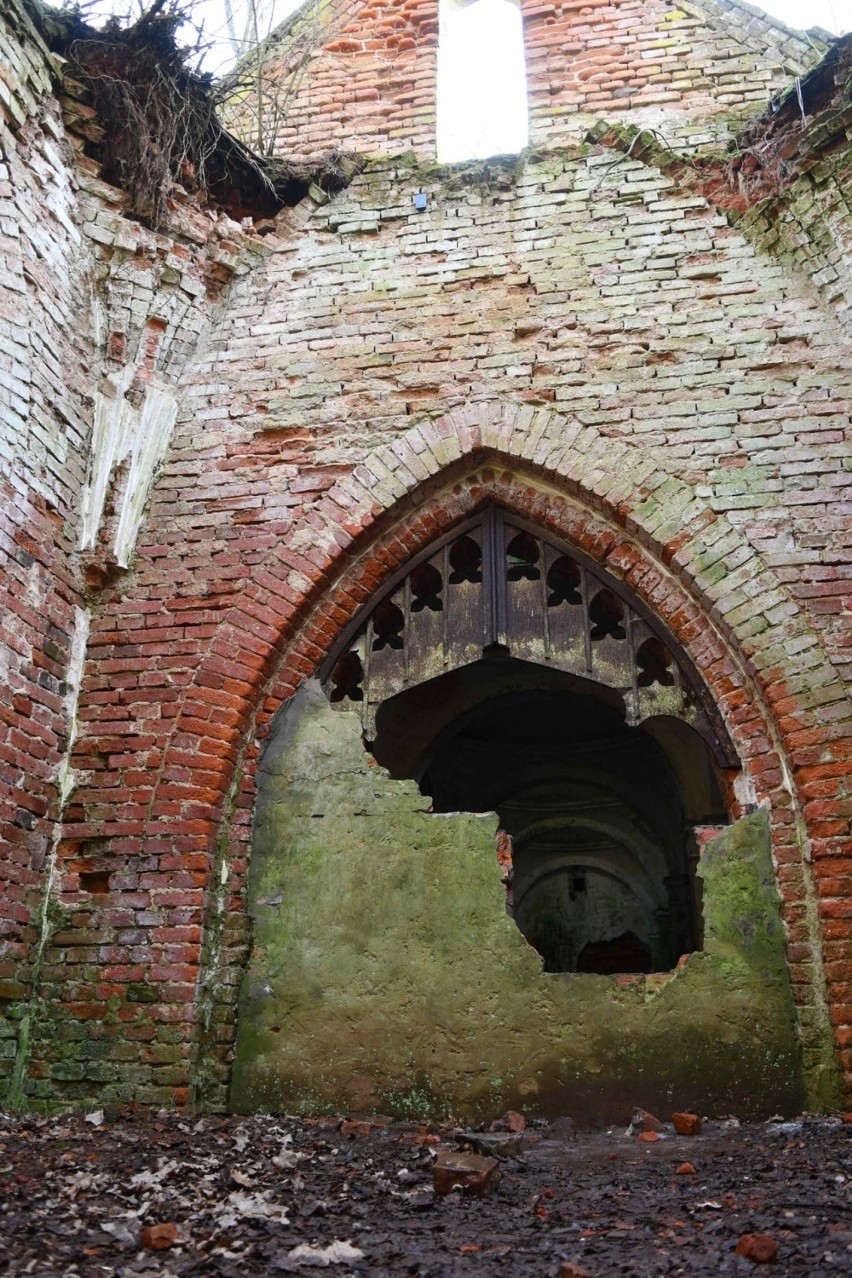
[598, 851]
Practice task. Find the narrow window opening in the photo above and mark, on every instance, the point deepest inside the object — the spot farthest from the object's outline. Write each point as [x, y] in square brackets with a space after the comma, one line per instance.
[482, 94]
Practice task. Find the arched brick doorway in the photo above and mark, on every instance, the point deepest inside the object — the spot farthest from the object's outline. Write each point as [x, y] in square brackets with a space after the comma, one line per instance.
[618, 506]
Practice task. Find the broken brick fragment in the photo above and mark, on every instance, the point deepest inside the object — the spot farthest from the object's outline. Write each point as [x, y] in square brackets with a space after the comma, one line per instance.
[471, 1173]
[159, 1237]
[644, 1121]
[351, 1128]
[685, 1169]
[761, 1248]
[648, 1137]
[562, 1129]
[511, 1121]
[686, 1124]
[568, 1269]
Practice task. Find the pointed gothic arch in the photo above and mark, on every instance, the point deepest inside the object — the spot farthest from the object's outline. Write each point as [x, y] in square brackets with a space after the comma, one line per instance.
[350, 853]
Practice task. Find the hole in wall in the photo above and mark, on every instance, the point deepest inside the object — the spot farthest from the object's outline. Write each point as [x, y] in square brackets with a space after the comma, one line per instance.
[624, 953]
[95, 882]
[595, 847]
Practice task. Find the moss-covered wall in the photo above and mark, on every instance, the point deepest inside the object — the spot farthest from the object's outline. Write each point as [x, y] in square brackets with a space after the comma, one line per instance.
[386, 975]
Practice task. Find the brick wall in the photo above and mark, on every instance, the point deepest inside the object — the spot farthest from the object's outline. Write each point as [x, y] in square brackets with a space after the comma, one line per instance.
[98, 318]
[582, 336]
[45, 331]
[658, 369]
[362, 76]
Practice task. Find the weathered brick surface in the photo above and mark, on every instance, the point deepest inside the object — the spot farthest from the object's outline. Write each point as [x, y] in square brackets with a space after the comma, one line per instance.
[93, 309]
[582, 337]
[44, 326]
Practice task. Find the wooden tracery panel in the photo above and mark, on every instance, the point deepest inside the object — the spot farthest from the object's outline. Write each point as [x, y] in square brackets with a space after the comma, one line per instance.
[497, 583]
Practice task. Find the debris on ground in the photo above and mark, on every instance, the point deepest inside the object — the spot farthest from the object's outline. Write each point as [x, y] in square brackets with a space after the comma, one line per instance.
[168, 1195]
[686, 1124]
[471, 1173]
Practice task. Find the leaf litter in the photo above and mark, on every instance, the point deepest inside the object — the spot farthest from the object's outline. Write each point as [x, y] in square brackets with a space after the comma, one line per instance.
[168, 1194]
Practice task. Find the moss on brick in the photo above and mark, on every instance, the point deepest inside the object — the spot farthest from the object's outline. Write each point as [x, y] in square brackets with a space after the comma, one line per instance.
[385, 972]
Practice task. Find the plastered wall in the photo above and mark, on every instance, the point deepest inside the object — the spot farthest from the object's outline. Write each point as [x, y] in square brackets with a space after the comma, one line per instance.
[386, 974]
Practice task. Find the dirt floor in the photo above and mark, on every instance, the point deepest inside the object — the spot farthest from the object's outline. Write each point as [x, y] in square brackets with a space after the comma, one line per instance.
[168, 1194]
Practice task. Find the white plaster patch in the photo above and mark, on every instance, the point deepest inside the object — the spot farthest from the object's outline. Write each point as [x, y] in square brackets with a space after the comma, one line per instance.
[66, 778]
[151, 437]
[745, 791]
[120, 433]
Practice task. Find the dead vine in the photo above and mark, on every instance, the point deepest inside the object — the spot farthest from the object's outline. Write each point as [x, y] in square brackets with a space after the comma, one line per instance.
[159, 121]
[156, 125]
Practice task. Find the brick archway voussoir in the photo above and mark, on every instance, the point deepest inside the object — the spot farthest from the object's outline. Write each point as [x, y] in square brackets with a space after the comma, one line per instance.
[631, 487]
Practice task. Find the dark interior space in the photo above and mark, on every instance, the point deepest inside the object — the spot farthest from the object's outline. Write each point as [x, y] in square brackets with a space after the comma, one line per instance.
[600, 814]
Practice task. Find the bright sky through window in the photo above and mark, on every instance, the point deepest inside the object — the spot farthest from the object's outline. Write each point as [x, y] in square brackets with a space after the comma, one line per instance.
[482, 92]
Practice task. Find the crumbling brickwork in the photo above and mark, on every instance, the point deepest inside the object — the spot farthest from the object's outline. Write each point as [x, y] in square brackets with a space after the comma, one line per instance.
[98, 317]
[364, 73]
[262, 428]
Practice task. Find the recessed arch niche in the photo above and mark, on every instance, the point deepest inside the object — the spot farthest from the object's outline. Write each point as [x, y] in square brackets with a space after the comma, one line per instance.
[475, 879]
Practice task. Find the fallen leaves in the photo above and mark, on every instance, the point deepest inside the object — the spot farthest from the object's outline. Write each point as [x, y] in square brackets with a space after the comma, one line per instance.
[238, 1196]
[252, 1207]
[336, 1253]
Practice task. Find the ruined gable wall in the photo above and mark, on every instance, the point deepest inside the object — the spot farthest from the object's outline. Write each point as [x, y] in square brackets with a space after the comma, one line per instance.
[663, 372]
[362, 76]
[581, 339]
